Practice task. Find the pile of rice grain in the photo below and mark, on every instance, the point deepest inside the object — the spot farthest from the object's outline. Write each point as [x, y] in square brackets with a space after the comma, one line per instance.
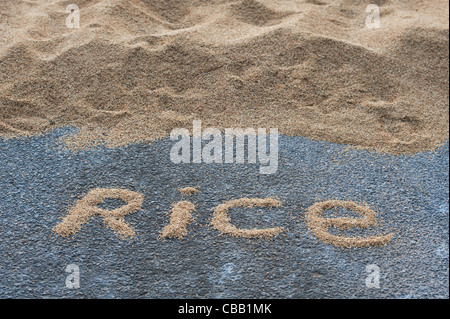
[136, 69]
[188, 191]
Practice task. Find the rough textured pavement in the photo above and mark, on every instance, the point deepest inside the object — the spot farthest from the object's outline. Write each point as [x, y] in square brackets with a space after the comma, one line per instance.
[39, 183]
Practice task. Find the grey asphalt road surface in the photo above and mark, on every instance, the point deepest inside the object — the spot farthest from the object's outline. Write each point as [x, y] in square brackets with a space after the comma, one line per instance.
[40, 182]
